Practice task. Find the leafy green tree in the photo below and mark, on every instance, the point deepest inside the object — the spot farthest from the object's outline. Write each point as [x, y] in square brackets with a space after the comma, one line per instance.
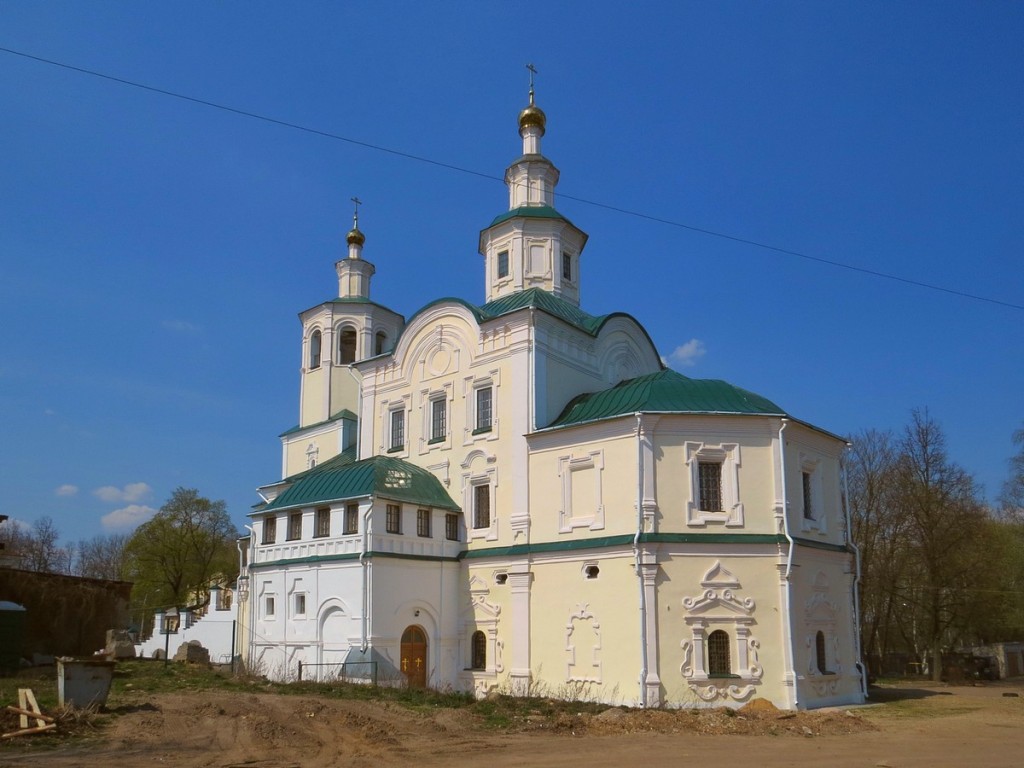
[174, 556]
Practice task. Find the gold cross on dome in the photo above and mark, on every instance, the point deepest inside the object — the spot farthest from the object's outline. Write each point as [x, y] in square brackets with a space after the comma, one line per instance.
[355, 214]
[533, 71]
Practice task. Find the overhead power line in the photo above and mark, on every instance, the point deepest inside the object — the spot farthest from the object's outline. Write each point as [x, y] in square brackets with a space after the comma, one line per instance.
[492, 177]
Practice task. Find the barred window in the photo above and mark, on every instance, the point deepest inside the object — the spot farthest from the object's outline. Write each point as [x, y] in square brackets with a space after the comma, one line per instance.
[482, 506]
[479, 648]
[566, 266]
[451, 526]
[709, 474]
[808, 501]
[503, 264]
[351, 519]
[323, 522]
[394, 519]
[718, 654]
[423, 522]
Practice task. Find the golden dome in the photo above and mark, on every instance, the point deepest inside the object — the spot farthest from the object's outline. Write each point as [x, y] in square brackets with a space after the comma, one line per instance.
[532, 115]
[355, 237]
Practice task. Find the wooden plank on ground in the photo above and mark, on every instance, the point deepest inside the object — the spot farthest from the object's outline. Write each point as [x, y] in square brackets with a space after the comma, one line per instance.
[23, 704]
[27, 731]
[29, 713]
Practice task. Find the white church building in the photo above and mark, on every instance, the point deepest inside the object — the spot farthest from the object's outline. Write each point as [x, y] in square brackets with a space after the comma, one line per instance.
[518, 496]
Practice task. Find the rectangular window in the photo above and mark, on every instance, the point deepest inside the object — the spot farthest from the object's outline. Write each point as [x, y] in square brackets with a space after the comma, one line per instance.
[566, 266]
[397, 430]
[295, 526]
[503, 264]
[351, 519]
[482, 506]
[300, 605]
[423, 522]
[393, 523]
[808, 505]
[268, 606]
[323, 522]
[438, 419]
[269, 530]
[484, 400]
[709, 475]
[451, 526]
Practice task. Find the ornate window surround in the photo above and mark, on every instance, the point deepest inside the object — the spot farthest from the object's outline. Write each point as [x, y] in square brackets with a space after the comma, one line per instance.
[718, 607]
[819, 520]
[728, 455]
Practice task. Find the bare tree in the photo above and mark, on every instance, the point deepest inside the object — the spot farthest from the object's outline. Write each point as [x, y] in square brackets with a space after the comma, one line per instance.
[40, 549]
[101, 557]
[1012, 498]
[945, 521]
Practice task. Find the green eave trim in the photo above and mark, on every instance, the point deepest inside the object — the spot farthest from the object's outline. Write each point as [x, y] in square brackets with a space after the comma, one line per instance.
[344, 413]
[605, 542]
[317, 559]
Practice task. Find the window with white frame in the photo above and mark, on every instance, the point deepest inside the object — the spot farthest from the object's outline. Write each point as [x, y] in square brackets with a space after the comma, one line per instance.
[294, 526]
[484, 409]
[397, 437]
[323, 522]
[566, 266]
[393, 519]
[269, 530]
[714, 472]
[423, 523]
[481, 506]
[451, 526]
[351, 519]
[438, 419]
[268, 606]
[812, 500]
[299, 604]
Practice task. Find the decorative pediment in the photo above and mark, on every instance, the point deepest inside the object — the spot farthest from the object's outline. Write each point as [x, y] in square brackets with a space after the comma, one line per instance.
[819, 608]
[718, 576]
[715, 601]
[478, 586]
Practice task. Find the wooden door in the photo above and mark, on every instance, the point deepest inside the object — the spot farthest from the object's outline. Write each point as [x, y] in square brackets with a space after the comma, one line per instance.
[414, 657]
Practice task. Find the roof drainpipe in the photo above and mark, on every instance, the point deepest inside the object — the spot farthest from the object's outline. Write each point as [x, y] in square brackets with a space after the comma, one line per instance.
[636, 560]
[859, 663]
[788, 591]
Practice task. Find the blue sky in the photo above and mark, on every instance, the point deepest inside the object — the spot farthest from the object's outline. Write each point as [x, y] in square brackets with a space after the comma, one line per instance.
[155, 252]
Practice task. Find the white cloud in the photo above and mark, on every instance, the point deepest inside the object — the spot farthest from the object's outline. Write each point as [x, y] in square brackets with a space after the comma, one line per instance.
[182, 326]
[66, 490]
[131, 492]
[128, 517]
[689, 353]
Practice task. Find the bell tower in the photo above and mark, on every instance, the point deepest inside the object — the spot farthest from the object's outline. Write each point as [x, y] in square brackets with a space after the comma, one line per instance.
[532, 245]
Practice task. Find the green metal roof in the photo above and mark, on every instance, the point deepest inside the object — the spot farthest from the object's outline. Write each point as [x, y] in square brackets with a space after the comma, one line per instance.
[530, 212]
[538, 298]
[664, 392]
[342, 478]
[344, 413]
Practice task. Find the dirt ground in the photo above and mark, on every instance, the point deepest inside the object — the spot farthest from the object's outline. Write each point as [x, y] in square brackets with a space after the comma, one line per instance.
[906, 726]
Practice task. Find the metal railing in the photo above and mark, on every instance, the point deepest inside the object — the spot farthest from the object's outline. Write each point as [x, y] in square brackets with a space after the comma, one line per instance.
[341, 672]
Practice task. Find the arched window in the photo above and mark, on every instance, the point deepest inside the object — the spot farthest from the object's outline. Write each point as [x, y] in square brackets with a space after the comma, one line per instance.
[479, 643]
[380, 342]
[819, 652]
[314, 350]
[718, 653]
[347, 346]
